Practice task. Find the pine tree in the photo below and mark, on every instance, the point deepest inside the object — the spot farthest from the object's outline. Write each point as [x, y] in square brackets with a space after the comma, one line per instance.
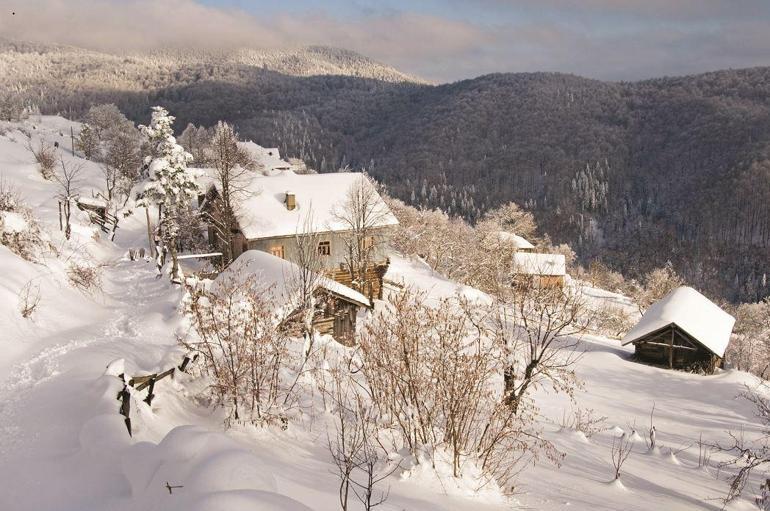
[171, 183]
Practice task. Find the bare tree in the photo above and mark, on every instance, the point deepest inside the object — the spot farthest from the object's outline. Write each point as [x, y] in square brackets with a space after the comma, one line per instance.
[361, 214]
[621, 449]
[538, 329]
[197, 141]
[67, 177]
[231, 165]
[121, 164]
[306, 273]
[748, 455]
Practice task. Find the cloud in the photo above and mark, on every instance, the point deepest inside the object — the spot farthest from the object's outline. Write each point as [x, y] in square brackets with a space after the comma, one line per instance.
[596, 38]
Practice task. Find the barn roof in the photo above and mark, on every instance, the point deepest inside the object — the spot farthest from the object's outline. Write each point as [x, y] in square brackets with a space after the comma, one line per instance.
[527, 263]
[692, 312]
[277, 273]
[519, 242]
[263, 213]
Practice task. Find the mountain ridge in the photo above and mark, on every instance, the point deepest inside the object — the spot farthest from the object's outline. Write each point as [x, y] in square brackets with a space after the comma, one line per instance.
[634, 174]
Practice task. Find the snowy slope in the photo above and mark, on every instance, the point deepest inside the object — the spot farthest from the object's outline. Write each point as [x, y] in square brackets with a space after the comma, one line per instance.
[64, 446]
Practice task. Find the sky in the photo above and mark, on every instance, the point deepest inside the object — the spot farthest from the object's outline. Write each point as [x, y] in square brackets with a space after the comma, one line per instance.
[438, 40]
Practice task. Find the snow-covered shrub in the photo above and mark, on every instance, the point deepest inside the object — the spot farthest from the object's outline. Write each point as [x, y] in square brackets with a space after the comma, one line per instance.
[84, 276]
[749, 348]
[29, 299]
[584, 420]
[45, 156]
[435, 379]
[601, 276]
[244, 351]
[655, 285]
[19, 230]
[611, 321]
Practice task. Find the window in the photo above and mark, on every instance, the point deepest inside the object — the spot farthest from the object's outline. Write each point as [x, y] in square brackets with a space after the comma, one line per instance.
[325, 248]
[367, 242]
[277, 251]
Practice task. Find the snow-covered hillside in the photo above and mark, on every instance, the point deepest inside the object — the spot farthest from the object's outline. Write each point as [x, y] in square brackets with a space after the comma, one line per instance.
[63, 444]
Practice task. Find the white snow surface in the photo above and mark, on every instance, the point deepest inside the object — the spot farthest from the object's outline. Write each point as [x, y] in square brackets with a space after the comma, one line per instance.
[692, 312]
[263, 213]
[529, 263]
[63, 445]
[11, 221]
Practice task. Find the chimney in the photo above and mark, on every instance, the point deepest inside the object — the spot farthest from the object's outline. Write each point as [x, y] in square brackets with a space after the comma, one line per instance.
[291, 201]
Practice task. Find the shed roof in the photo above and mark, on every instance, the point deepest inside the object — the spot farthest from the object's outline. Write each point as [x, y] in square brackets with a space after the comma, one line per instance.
[528, 263]
[519, 242]
[277, 274]
[692, 312]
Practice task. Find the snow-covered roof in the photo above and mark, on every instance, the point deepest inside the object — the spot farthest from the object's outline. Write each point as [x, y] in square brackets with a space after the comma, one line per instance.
[269, 158]
[518, 241]
[692, 312]
[528, 263]
[277, 274]
[263, 213]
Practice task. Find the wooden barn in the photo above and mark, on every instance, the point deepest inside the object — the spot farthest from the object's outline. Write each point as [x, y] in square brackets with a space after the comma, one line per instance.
[541, 270]
[684, 330]
[337, 305]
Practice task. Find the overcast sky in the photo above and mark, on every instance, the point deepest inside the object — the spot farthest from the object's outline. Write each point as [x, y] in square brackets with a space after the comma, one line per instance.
[439, 40]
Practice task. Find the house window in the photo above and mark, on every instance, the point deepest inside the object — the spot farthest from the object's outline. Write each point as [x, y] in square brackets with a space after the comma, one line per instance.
[325, 248]
[367, 242]
[277, 251]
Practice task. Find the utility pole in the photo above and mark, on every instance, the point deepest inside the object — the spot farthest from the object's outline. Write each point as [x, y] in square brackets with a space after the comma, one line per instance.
[72, 141]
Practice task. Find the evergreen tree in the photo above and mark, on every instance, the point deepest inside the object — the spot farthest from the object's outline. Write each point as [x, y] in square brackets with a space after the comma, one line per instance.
[171, 183]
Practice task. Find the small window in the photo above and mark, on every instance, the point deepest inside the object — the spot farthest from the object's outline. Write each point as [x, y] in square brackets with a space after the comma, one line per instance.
[277, 251]
[367, 242]
[325, 248]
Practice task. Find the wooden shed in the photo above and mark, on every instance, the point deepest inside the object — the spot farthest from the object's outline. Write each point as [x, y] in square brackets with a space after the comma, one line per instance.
[684, 330]
[542, 270]
[337, 305]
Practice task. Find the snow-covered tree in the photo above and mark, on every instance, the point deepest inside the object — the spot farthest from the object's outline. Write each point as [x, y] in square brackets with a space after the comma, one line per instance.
[171, 183]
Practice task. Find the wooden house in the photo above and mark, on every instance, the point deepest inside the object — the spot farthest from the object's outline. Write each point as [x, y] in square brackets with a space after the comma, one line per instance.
[684, 330]
[276, 209]
[337, 306]
[542, 270]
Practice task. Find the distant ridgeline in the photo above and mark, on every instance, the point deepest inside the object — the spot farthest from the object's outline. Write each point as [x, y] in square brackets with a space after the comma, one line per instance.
[633, 173]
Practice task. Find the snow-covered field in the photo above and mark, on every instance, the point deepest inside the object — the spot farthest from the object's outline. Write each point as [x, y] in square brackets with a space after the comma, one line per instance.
[63, 445]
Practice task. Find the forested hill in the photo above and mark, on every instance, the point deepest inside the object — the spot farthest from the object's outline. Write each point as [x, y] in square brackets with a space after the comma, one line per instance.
[635, 174]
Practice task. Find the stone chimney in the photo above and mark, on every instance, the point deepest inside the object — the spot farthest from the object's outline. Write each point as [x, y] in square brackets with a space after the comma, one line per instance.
[291, 201]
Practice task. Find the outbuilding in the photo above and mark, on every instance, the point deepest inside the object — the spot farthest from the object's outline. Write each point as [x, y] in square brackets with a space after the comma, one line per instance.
[683, 330]
[337, 305]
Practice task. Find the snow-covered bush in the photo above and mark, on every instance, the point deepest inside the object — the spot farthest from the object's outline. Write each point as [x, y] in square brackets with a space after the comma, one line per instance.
[749, 348]
[29, 299]
[19, 230]
[583, 420]
[435, 380]
[611, 321]
[655, 285]
[45, 156]
[244, 351]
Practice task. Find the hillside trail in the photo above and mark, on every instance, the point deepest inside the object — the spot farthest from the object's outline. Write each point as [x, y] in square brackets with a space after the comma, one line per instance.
[47, 397]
